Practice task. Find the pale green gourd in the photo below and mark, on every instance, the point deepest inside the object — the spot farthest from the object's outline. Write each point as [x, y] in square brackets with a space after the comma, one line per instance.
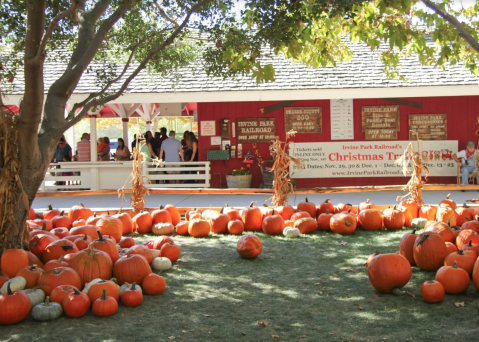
[36, 296]
[16, 284]
[47, 311]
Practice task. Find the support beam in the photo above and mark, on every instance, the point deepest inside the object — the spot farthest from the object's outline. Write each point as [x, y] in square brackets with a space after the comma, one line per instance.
[125, 131]
[93, 139]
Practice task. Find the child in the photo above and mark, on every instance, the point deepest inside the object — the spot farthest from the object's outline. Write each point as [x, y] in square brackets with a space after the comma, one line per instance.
[101, 145]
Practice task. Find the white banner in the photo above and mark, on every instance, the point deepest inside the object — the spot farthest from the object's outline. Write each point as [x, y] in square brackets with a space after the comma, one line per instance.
[369, 159]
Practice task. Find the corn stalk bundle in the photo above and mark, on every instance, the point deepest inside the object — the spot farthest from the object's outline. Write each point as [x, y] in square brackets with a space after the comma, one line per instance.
[416, 183]
[282, 179]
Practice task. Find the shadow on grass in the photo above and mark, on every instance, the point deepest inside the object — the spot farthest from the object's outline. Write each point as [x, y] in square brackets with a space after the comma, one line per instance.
[311, 288]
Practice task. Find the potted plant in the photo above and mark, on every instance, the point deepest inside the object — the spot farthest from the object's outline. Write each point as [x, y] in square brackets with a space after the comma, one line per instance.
[239, 179]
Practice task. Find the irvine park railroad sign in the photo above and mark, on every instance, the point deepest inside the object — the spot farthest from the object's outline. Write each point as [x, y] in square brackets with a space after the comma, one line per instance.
[380, 122]
[255, 130]
[428, 126]
[303, 119]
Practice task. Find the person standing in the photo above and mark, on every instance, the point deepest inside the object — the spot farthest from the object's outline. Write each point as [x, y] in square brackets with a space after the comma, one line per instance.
[183, 141]
[133, 143]
[83, 151]
[173, 152]
[163, 136]
[62, 149]
[466, 161]
[122, 152]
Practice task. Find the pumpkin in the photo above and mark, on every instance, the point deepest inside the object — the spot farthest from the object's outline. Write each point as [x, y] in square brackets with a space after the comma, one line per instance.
[154, 284]
[91, 264]
[31, 214]
[324, 207]
[46, 223]
[61, 221]
[389, 272]
[132, 296]
[79, 211]
[155, 253]
[462, 260]
[199, 228]
[447, 202]
[12, 261]
[307, 206]
[252, 218]
[370, 219]
[466, 236]
[16, 284]
[273, 224]
[205, 215]
[141, 250]
[290, 232]
[163, 228]
[427, 212]
[127, 286]
[82, 243]
[131, 268]
[106, 246]
[76, 304]
[3, 280]
[443, 230]
[406, 246]
[96, 290]
[127, 242]
[142, 222]
[393, 219]
[299, 215]
[219, 222]
[429, 251]
[79, 222]
[365, 205]
[49, 214]
[161, 264]
[161, 215]
[92, 220]
[31, 275]
[341, 207]
[47, 311]
[58, 276]
[191, 212]
[324, 220]
[343, 223]
[174, 214]
[90, 230]
[36, 296]
[451, 248]
[470, 224]
[471, 247]
[160, 241]
[266, 211]
[57, 249]
[60, 292]
[111, 226]
[182, 228]
[55, 263]
[40, 242]
[370, 258]
[455, 280]
[410, 209]
[419, 223]
[306, 225]
[14, 306]
[285, 211]
[475, 274]
[232, 213]
[249, 246]
[236, 227]
[446, 215]
[33, 260]
[126, 222]
[463, 214]
[60, 232]
[170, 251]
[432, 291]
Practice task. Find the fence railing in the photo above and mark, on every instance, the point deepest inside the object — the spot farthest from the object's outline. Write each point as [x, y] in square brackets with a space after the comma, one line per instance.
[182, 174]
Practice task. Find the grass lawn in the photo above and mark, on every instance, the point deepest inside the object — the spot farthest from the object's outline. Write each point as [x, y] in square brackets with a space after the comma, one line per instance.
[313, 288]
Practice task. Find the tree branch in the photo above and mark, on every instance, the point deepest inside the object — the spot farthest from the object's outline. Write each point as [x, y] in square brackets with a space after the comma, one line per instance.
[97, 11]
[101, 101]
[51, 27]
[164, 15]
[461, 30]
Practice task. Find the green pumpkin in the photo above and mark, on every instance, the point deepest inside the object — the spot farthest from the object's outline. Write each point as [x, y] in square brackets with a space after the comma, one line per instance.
[418, 223]
[47, 311]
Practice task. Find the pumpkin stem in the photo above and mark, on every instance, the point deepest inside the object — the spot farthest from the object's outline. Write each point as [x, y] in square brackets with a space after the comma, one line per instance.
[61, 214]
[47, 301]
[108, 213]
[398, 292]
[327, 200]
[100, 237]
[91, 250]
[327, 211]
[221, 211]
[161, 206]
[272, 213]
[67, 247]
[413, 231]
[423, 238]
[349, 211]
[50, 207]
[467, 219]
[251, 204]
[394, 208]
[103, 296]
[470, 243]
[82, 204]
[369, 207]
[133, 286]
[60, 259]
[460, 252]
[79, 219]
[44, 226]
[9, 290]
[465, 205]
[367, 201]
[306, 200]
[76, 292]
[455, 264]
[85, 238]
[33, 268]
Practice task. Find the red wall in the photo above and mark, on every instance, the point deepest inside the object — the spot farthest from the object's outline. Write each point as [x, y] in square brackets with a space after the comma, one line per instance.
[462, 117]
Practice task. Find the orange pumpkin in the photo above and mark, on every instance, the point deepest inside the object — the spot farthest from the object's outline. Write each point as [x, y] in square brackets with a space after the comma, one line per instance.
[299, 215]
[343, 223]
[50, 213]
[82, 243]
[325, 207]
[91, 264]
[219, 222]
[266, 211]
[388, 272]
[370, 219]
[249, 246]
[462, 260]
[393, 219]
[12, 261]
[429, 251]
[161, 215]
[58, 276]
[451, 248]
[171, 251]
[32, 215]
[232, 213]
[163, 228]
[236, 227]
[475, 274]
[306, 225]
[131, 268]
[78, 223]
[127, 223]
[285, 211]
[61, 221]
[411, 211]
[174, 213]
[141, 250]
[454, 279]
[471, 247]
[31, 275]
[127, 242]
[96, 290]
[42, 222]
[111, 226]
[323, 221]
[470, 224]
[60, 232]
[447, 215]
[443, 230]
[273, 224]
[55, 263]
[465, 237]
[58, 248]
[142, 222]
[463, 214]
[406, 246]
[153, 284]
[307, 206]
[34, 260]
[432, 291]
[447, 202]
[107, 246]
[428, 212]
[79, 211]
[342, 207]
[92, 220]
[252, 218]
[90, 230]
[365, 205]
[199, 228]
[182, 228]
[191, 212]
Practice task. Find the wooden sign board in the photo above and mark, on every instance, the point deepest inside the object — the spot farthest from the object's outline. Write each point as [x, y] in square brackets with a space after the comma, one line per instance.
[380, 117]
[381, 134]
[428, 126]
[303, 119]
[255, 130]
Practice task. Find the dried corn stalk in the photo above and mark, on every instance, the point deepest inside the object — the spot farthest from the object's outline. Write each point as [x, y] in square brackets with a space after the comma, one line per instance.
[282, 179]
[416, 183]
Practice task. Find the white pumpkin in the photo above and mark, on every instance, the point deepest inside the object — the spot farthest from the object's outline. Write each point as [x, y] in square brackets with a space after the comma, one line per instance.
[16, 284]
[155, 252]
[163, 228]
[88, 285]
[47, 311]
[291, 232]
[126, 286]
[161, 264]
[36, 296]
[418, 223]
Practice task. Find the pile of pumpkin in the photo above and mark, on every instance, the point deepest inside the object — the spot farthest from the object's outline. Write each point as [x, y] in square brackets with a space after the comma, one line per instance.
[449, 245]
[70, 265]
